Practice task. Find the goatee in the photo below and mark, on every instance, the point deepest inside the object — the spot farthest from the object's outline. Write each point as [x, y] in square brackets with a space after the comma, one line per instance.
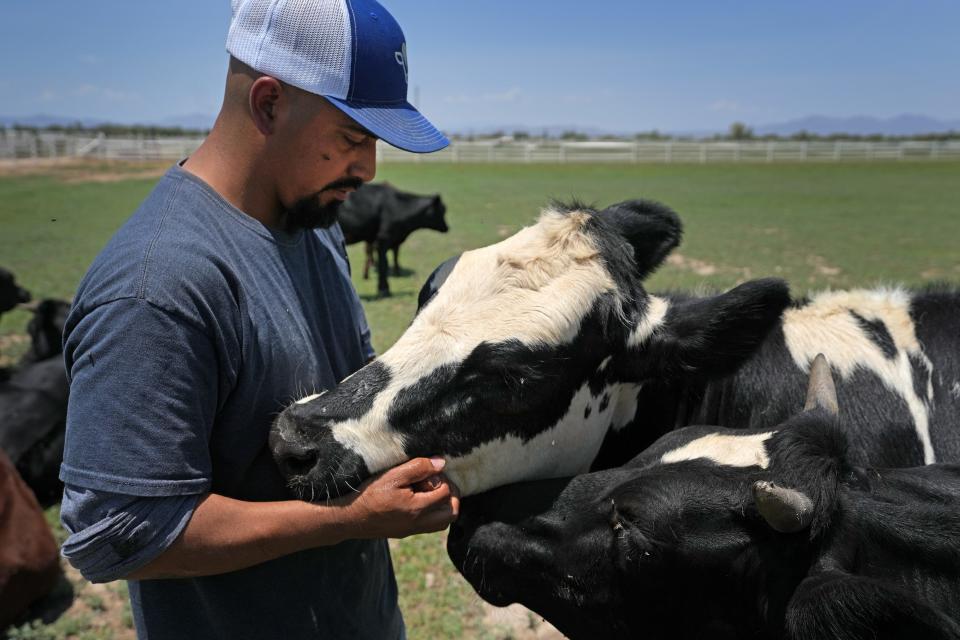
[309, 213]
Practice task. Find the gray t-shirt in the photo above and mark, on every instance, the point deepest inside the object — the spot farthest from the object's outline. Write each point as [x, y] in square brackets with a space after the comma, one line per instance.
[192, 329]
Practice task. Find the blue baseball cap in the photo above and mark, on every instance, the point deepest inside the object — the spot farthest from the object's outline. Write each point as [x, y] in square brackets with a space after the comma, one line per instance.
[352, 52]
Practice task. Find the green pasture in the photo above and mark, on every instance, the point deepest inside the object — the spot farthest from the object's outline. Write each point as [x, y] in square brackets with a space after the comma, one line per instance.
[817, 225]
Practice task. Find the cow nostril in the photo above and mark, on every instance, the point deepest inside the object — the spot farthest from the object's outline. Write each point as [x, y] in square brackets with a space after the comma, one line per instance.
[300, 464]
[296, 460]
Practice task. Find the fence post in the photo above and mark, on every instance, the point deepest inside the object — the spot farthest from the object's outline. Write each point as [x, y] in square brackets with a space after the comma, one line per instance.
[563, 153]
[836, 150]
[703, 152]
[670, 152]
[803, 151]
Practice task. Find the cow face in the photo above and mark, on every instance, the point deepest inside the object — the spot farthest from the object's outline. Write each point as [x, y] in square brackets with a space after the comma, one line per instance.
[11, 294]
[705, 534]
[423, 212]
[528, 352]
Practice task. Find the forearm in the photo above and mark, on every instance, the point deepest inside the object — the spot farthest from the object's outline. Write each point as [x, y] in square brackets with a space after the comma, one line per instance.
[227, 535]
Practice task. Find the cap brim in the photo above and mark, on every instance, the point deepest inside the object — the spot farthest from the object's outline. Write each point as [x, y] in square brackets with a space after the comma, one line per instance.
[399, 125]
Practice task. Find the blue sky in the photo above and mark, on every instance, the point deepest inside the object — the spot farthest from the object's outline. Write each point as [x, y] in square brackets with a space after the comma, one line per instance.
[616, 65]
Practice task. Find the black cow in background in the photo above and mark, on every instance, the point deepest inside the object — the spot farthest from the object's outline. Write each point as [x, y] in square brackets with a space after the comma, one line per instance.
[382, 216]
[11, 294]
[33, 403]
[721, 533]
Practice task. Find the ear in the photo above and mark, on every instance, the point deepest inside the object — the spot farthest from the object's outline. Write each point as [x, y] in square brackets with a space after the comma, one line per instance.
[434, 281]
[821, 392]
[652, 229]
[264, 97]
[704, 336]
[785, 510]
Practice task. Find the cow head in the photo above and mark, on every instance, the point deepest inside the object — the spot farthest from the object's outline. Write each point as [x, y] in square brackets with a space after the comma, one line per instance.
[11, 294]
[525, 355]
[705, 534]
[426, 212]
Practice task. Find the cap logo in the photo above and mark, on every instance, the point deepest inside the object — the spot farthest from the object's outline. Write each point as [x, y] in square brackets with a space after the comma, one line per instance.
[401, 58]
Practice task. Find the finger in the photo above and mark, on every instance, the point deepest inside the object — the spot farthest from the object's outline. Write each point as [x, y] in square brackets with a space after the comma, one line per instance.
[431, 483]
[427, 499]
[438, 519]
[415, 470]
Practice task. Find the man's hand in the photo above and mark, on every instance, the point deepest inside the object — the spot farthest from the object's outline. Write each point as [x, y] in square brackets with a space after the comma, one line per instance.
[414, 497]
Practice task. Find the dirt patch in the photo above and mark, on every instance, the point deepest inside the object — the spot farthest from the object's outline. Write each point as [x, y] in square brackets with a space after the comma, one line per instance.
[822, 268]
[11, 346]
[704, 268]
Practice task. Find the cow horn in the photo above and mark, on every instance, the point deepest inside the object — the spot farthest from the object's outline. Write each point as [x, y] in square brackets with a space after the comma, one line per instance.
[786, 510]
[821, 391]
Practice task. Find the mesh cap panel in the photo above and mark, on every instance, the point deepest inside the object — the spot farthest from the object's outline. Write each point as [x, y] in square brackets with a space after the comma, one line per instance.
[305, 43]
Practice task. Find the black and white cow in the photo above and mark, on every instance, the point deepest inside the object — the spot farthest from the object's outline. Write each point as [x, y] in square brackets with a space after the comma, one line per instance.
[525, 357]
[896, 354]
[382, 216]
[720, 533]
[11, 294]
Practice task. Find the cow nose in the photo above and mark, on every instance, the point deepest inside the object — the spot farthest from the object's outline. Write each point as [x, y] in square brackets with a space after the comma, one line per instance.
[293, 458]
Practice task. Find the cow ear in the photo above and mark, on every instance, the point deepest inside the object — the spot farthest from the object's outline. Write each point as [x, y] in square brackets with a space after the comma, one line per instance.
[435, 281]
[785, 510]
[703, 336]
[652, 229]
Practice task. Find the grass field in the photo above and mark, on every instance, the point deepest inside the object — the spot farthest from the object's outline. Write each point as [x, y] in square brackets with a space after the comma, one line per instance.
[819, 226]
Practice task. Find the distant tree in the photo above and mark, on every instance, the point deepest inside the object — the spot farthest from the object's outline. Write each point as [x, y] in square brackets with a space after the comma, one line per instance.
[740, 131]
[521, 135]
[573, 135]
[653, 134]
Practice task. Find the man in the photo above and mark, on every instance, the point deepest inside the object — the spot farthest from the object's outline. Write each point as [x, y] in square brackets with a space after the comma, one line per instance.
[222, 298]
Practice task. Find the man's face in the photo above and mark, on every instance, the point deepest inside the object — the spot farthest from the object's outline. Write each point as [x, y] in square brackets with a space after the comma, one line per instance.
[323, 156]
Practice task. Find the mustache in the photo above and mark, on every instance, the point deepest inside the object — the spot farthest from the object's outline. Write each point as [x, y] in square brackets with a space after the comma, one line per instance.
[344, 183]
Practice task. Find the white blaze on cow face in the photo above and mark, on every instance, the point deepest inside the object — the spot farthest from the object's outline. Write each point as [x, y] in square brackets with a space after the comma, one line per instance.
[721, 448]
[826, 325]
[534, 288]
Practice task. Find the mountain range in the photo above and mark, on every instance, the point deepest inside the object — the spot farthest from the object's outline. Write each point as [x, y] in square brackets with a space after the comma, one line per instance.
[901, 125]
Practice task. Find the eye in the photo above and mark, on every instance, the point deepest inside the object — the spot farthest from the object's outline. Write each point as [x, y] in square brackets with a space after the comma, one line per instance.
[352, 142]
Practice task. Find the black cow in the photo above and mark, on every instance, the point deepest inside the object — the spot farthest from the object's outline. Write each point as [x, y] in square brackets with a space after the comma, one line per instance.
[33, 404]
[11, 294]
[382, 216]
[719, 533]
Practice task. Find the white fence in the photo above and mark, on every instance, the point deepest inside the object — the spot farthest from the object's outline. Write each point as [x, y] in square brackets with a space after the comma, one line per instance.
[21, 144]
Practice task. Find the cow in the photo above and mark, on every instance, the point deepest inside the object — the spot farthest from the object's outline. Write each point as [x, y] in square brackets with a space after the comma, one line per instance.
[728, 533]
[29, 561]
[33, 404]
[898, 377]
[11, 294]
[524, 358]
[382, 216]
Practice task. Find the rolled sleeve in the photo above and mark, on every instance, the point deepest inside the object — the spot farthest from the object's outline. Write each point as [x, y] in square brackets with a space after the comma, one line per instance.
[112, 535]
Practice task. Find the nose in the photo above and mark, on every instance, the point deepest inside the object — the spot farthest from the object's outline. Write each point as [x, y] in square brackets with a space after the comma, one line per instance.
[293, 458]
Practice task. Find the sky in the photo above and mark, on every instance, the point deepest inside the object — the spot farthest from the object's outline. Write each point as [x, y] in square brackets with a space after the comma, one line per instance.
[616, 65]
